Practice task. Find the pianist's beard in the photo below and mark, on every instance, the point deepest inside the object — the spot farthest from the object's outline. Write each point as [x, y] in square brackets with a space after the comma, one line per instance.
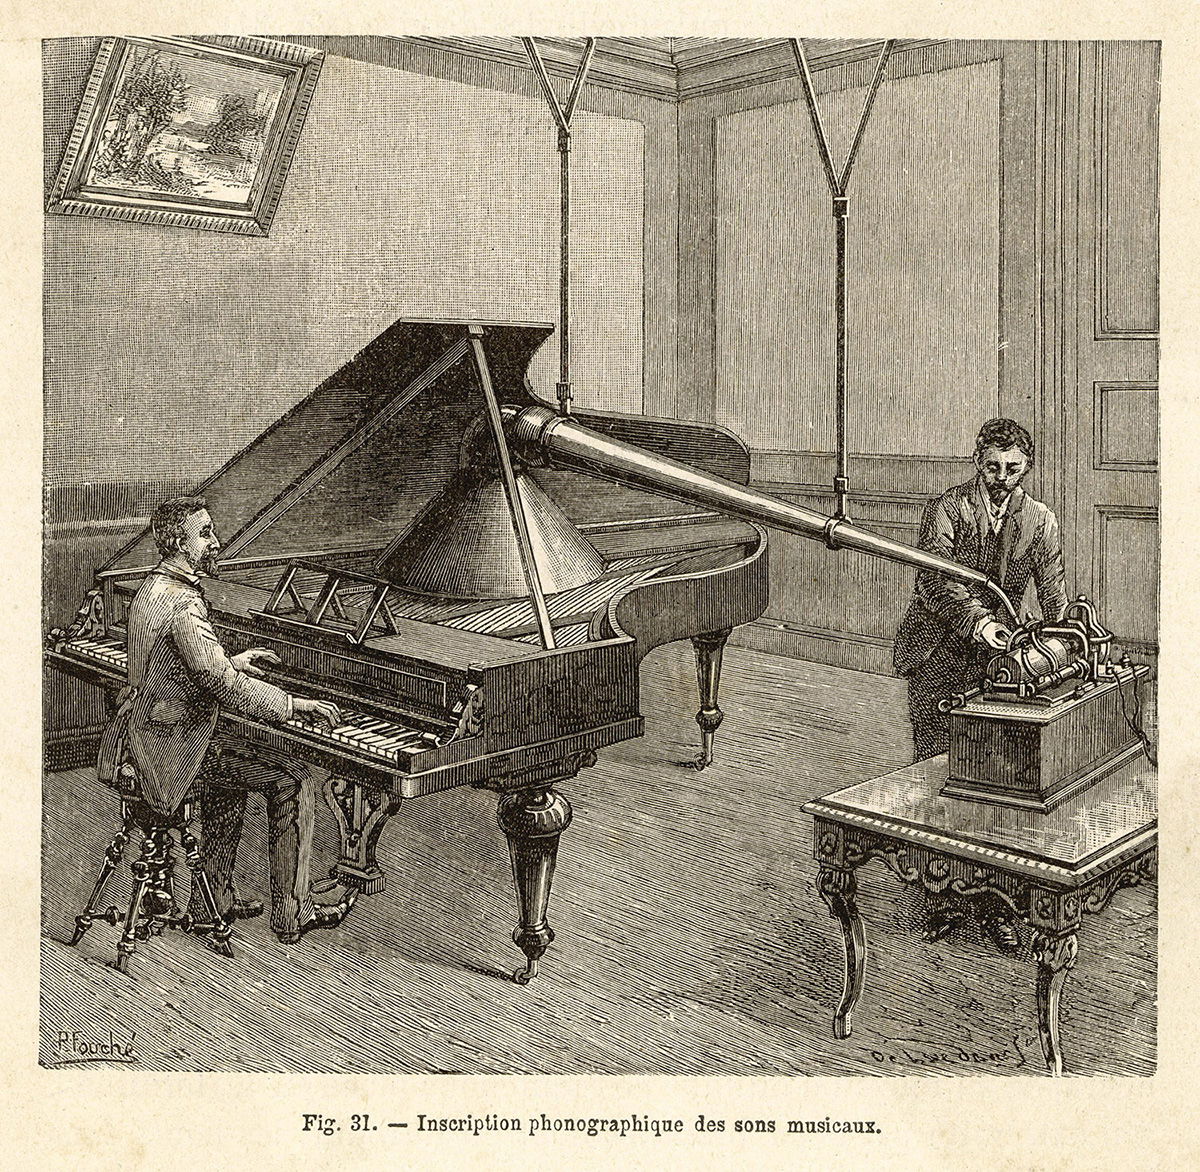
[206, 564]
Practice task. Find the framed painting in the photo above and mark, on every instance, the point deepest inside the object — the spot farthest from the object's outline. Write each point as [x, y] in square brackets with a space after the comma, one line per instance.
[184, 132]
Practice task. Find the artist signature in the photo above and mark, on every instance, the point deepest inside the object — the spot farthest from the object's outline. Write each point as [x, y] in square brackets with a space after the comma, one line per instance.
[924, 1055]
[72, 1047]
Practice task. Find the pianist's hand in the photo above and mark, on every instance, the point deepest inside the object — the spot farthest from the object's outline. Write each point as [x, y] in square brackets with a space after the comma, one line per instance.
[316, 710]
[245, 661]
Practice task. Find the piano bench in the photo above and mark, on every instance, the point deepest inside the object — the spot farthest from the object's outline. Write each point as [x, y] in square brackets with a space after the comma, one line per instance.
[152, 906]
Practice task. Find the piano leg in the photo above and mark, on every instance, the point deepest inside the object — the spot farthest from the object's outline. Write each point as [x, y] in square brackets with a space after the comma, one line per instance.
[709, 648]
[532, 820]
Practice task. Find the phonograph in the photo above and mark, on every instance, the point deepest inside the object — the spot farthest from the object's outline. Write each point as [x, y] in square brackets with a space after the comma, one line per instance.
[1052, 715]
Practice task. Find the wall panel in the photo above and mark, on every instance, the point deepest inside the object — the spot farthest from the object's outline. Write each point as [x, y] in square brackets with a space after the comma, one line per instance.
[922, 268]
[1127, 546]
[1126, 174]
[1126, 426]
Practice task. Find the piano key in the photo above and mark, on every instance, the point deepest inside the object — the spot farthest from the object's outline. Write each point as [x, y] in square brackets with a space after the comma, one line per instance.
[408, 737]
[364, 735]
[341, 736]
[350, 734]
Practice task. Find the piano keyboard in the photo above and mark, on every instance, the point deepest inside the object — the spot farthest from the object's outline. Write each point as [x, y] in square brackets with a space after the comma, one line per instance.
[379, 739]
[370, 735]
[110, 652]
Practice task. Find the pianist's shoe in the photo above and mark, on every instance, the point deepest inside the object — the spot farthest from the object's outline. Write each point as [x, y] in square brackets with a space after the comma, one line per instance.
[325, 915]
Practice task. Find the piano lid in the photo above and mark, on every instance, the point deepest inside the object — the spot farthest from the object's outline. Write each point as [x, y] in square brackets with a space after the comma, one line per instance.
[352, 464]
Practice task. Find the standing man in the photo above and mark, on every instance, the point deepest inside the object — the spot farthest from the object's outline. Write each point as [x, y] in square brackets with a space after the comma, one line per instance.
[181, 678]
[951, 629]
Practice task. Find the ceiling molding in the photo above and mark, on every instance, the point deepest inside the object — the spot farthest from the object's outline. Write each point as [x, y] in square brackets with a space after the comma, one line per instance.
[623, 64]
[671, 68]
[735, 65]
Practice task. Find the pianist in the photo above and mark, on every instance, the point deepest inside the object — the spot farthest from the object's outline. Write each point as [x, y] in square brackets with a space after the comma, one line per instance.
[183, 678]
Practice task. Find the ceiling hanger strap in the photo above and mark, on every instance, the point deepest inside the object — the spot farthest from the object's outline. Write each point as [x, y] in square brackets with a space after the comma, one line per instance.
[562, 115]
[841, 210]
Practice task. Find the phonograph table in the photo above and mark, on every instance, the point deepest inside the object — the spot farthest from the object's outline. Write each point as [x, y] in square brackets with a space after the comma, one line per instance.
[1050, 867]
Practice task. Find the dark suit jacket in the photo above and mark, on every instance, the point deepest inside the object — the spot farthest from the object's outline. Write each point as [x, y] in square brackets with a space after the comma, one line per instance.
[954, 526]
[183, 679]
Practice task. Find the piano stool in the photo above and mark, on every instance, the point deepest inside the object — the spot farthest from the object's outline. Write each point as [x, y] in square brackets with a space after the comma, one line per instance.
[152, 905]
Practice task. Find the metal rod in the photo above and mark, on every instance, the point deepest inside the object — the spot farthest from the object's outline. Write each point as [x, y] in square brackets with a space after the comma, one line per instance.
[841, 209]
[564, 392]
[589, 48]
[535, 59]
[810, 96]
[564, 273]
[515, 505]
[566, 443]
[876, 81]
[841, 482]
[562, 118]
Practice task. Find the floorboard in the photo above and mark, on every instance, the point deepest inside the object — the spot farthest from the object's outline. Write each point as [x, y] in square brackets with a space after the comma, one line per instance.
[690, 939]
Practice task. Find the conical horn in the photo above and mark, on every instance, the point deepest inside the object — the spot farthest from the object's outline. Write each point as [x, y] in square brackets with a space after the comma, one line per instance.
[462, 543]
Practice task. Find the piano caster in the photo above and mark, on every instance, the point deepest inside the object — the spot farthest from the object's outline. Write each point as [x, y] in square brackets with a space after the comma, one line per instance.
[525, 975]
[706, 744]
[533, 941]
[709, 648]
[533, 821]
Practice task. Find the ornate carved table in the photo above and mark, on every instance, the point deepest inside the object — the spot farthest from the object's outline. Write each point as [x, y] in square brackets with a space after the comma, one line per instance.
[1049, 868]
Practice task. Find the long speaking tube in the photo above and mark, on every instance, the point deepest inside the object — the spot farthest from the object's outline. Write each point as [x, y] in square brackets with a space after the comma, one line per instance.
[538, 434]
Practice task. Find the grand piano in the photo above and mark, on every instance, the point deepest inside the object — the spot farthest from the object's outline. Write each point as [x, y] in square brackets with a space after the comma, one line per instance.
[473, 578]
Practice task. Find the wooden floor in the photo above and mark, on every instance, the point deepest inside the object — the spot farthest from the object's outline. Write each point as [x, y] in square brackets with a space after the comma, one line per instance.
[690, 937]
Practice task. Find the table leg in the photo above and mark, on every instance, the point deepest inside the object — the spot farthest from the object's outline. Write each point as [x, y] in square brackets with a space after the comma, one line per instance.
[1055, 956]
[838, 887]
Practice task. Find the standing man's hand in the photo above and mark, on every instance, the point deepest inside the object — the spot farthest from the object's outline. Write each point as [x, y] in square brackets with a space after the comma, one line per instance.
[994, 635]
[245, 660]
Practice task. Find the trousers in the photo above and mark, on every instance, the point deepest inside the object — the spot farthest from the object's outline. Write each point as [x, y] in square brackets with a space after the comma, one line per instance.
[951, 668]
[228, 775]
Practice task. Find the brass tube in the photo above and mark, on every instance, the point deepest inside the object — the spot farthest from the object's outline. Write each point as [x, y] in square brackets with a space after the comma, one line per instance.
[539, 435]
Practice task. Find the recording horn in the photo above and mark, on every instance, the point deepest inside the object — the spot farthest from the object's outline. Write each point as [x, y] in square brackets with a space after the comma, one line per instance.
[539, 436]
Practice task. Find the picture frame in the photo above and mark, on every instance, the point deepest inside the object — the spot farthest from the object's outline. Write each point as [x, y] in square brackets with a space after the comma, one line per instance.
[189, 133]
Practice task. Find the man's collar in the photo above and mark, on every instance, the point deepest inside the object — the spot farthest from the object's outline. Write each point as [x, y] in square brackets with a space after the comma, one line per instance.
[175, 567]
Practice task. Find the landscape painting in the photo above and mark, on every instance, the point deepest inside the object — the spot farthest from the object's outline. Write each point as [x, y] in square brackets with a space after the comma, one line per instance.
[187, 132]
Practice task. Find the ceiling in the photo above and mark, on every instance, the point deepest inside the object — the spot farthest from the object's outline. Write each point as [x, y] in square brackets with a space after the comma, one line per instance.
[673, 67]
